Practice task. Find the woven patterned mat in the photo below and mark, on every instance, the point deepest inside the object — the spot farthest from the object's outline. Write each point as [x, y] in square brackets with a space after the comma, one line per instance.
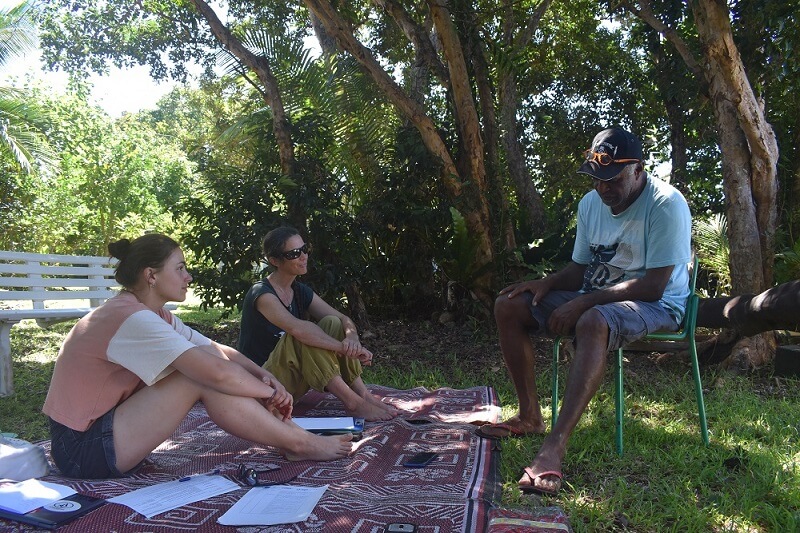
[367, 489]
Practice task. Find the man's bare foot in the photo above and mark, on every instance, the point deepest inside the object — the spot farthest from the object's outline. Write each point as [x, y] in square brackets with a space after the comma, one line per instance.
[321, 448]
[513, 427]
[544, 473]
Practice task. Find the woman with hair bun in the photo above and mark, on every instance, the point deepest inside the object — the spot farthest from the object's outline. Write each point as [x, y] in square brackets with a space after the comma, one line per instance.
[129, 371]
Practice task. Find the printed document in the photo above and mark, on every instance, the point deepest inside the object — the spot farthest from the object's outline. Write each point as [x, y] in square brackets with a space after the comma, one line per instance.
[268, 506]
[31, 494]
[163, 497]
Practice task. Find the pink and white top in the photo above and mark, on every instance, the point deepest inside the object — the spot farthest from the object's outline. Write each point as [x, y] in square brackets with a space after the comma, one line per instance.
[111, 353]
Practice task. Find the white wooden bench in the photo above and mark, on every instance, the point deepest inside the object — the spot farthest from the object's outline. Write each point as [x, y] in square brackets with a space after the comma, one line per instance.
[42, 287]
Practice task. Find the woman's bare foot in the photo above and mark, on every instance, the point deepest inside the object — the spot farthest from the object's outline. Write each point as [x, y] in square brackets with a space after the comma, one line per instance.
[321, 448]
[370, 412]
[376, 400]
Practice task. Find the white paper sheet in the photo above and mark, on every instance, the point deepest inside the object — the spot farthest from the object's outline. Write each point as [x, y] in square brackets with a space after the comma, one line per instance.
[323, 423]
[163, 497]
[267, 506]
[31, 494]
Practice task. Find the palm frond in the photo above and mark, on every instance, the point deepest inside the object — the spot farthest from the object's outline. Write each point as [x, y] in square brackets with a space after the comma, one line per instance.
[711, 239]
[17, 31]
[21, 132]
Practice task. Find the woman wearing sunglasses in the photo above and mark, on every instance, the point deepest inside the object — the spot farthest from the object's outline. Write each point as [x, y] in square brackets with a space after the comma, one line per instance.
[323, 353]
[129, 371]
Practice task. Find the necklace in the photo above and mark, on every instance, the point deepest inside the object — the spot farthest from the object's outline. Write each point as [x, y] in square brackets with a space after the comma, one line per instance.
[283, 296]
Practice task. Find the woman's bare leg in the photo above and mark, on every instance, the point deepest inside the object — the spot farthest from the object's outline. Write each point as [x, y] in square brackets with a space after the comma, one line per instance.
[150, 416]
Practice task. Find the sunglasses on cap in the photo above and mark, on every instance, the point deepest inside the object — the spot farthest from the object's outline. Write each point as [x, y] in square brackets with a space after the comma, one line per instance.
[602, 158]
[289, 255]
[250, 476]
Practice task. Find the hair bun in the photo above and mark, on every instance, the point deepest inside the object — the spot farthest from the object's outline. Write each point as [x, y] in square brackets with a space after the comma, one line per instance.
[120, 248]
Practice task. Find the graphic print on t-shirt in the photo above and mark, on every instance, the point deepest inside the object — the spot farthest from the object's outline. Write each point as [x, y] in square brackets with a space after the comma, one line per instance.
[607, 266]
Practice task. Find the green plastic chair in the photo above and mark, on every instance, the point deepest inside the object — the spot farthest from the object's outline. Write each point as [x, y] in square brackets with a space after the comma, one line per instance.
[686, 333]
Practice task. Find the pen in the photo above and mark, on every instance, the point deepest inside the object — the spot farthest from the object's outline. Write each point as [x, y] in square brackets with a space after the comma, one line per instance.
[211, 473]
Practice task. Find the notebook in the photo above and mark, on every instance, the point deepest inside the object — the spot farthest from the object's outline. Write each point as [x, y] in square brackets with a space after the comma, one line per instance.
[331, 425]
[57, 513]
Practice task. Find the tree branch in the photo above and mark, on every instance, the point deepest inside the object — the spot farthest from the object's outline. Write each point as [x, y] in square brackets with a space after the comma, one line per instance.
[418, 37]
[645, 12]
[338, 28]
[260, 66]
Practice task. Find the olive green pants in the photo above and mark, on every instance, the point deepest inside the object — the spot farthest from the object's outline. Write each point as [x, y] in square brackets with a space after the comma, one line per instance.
[300, 367]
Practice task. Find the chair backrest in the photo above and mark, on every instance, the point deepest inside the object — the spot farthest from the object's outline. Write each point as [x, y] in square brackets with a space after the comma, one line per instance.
[690, 316]
[693, 268]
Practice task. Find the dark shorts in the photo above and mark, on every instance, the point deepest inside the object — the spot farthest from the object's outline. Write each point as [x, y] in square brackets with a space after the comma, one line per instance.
[85, 454]
[628, 321]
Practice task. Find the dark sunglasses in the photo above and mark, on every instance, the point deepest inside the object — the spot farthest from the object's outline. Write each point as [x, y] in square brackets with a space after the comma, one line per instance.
[605, 159]
[250, 476]
[294, 254]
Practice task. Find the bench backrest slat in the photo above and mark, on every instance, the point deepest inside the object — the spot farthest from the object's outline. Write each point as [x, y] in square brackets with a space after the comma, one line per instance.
[40, 269]
[43, 296]
[56, 258]
[58, 282]
[53, 277]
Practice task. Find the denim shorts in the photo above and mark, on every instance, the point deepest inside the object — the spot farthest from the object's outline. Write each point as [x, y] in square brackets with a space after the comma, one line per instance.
[628, 321]
[85, 454]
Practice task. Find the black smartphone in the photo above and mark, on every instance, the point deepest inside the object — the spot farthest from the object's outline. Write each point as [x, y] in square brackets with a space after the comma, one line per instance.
[420, 459]
[398, 527]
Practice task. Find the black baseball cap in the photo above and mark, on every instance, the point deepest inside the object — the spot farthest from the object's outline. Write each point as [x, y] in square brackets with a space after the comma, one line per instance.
[618, 145]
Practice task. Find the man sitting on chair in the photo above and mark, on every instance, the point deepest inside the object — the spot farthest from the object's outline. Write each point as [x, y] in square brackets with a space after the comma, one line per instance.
[627, 278]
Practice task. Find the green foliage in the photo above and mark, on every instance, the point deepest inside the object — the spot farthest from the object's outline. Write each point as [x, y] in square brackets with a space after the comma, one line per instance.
[230, 215]
[21, 133]
[167, 36]
[126, 175]
[366, 190]
[114, 178]
[787, 264]
[461, 267]
[17, 33]
[711, 238]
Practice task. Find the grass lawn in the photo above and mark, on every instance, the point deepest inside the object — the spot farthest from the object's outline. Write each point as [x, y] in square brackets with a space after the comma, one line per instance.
[746, 480]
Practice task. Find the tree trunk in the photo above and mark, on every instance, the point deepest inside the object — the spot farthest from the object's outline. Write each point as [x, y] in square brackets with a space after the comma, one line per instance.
[749, 160]
[272, 96]
[676, 114]
[356, 308]
[467, 191]
[737, 108]
[751, 314]
[498, 202]
[528, 197]
[749, 151]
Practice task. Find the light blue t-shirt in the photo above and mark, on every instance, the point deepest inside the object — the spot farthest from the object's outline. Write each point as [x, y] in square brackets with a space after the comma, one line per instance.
[655, 231]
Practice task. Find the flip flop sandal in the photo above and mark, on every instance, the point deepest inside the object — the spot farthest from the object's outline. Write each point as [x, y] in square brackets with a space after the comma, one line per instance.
[513, 432]
[532, 488]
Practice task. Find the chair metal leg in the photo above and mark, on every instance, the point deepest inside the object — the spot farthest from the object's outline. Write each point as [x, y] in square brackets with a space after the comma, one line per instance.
[619, 396]
[698, 387]
[619, 400]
